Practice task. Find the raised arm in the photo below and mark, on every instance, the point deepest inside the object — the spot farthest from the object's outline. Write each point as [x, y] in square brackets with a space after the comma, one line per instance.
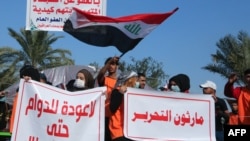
[229, 89]
[101, 75]
[105, 69]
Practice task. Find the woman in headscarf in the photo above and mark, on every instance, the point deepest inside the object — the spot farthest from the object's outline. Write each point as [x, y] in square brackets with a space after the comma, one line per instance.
[84, 80]
[179, 83]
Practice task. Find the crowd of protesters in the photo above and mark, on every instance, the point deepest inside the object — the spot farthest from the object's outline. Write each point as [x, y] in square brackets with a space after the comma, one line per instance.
[117, 85]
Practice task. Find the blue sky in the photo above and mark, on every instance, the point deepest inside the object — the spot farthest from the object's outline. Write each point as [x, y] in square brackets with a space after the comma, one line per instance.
[183, 43]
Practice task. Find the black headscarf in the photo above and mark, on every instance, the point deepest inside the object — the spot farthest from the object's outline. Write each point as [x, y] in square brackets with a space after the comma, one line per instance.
[182, 80]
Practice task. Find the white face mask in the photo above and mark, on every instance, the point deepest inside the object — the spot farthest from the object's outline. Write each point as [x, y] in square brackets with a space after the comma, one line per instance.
[175, 88]
[137, 85]
[79, 83]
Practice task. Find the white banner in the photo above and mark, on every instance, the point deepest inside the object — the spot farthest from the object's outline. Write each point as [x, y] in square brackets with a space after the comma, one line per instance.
[50, 15]
[154, 115]
[47, 113]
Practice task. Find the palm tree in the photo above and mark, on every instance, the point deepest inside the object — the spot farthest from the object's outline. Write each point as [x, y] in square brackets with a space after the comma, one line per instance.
[36, 49]
[8, 60]
[233, 55]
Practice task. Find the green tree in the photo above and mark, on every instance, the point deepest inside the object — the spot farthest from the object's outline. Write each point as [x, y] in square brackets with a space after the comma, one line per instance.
[37, 49]
[153, 69]
[8, 60]
[232, 55]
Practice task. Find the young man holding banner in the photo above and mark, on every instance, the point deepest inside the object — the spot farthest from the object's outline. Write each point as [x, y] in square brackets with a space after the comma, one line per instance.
[107, 77]
[126, 79]
[26, 72]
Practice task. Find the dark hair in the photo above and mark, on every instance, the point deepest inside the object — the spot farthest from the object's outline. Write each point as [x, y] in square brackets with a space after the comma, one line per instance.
[247, 71]
[43, 76]
[29, 70]
[141, 74]
[108, 59]
[182, 80]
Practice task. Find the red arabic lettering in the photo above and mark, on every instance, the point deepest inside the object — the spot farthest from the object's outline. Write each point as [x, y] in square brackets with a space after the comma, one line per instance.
[97, 2]
[43, 10]
[47, 1]
[167, 116]
[69, 1]
[31, 138]
[66, 10]
[58, 130]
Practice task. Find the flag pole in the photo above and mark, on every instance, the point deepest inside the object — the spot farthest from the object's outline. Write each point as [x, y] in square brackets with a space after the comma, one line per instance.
[121, 55]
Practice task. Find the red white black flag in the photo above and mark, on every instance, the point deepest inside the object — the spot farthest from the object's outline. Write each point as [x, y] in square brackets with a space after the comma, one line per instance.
[124, 32]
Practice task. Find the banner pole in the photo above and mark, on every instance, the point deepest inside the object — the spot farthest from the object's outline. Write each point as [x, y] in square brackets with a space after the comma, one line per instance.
[121, 55]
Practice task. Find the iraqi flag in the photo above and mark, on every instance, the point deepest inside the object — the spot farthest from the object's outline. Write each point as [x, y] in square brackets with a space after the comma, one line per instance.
[124, 32]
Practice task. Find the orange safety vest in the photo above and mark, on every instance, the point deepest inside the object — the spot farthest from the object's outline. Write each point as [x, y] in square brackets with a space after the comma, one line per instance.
[116, 122]
[110, 84]
[13, 113]
[244, 106]
[233, 119]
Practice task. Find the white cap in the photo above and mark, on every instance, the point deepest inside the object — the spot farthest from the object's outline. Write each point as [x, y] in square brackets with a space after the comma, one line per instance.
[124, 76]
[208, 84]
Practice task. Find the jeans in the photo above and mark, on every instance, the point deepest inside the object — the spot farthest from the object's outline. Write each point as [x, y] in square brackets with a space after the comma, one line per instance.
[219, 136]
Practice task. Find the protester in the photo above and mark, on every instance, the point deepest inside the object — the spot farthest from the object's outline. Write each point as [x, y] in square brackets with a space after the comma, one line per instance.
[221, 110]
[179, 83]
[4, 112]
[142, 80]
[107, 76]
[84, 80]
[43, 79]
[126, 79]
[233, 117]
[27, 72]
[242, 94]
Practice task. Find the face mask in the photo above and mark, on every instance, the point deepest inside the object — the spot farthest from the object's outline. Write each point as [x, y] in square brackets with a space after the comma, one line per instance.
[137, 85]
[175, 88]
[79, 83]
